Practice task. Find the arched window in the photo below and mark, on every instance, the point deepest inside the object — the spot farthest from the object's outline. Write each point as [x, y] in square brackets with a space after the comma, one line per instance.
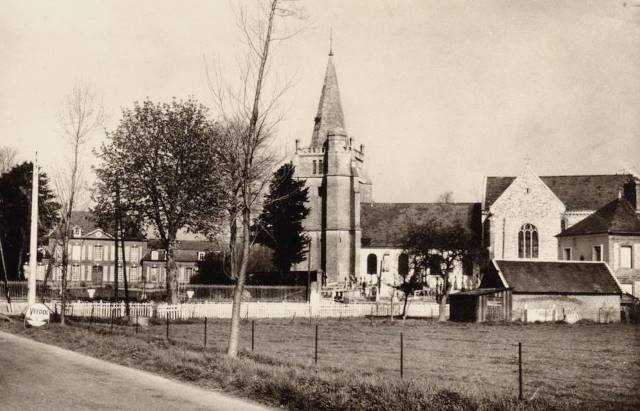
[372, 264]
[528, 241]
[403, 264]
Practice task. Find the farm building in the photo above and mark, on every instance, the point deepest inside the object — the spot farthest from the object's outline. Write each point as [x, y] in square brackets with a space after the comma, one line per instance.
[529, 291]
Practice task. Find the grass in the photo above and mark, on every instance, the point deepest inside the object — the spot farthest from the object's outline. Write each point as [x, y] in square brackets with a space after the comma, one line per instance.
[446, 366]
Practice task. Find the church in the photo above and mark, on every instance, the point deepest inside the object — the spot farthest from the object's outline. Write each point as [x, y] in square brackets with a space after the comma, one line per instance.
[355, 241]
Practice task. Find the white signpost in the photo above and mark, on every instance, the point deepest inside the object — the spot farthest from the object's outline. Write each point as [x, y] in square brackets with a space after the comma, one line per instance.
[37, 315]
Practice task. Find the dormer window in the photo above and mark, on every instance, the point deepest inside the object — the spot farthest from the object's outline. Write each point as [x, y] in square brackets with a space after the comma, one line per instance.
[154, 255]
[77, 232]
[201, 255]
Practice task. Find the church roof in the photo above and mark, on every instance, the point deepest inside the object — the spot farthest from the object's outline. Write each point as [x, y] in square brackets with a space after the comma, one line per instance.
[617, 217]
[577, 192]
[330, 115]
[551, 277]
[384, 224]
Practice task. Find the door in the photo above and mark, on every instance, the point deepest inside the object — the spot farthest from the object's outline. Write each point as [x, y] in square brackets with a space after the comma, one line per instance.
[96, 274]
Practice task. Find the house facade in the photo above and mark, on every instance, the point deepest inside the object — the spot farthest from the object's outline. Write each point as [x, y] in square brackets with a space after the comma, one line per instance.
[612, 235]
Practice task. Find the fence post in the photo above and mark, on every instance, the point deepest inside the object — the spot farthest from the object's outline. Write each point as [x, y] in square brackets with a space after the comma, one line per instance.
[91, 317]
[205, 332]
[401, 355]
[315, 357]
[167, 325]
[137, 321]
[520, 371]
[253, 323]
[111, 327]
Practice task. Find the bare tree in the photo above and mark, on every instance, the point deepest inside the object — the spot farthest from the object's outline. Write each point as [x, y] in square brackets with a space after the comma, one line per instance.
[7, 158]
[446, 197]
[249, 114]
[81, 114]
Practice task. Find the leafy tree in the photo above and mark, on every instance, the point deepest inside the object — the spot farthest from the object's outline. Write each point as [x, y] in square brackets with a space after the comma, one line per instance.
[161, 155]
[411, 282]
[439, 247]
[15, 216]
[279, 227]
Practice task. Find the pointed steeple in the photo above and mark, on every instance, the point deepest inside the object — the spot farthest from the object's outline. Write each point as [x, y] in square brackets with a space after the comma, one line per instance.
[330, 113]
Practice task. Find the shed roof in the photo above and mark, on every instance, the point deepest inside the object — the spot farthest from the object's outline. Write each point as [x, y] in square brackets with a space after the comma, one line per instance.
[577, 192]
[556, 277]
[384, 224]
[616, 217]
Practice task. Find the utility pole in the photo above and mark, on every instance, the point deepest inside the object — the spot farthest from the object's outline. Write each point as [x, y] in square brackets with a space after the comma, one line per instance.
[33, 243]
[120, 227]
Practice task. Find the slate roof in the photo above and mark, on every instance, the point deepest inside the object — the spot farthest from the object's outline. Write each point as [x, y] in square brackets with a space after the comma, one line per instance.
[384, 224]
[554, 277]
[185, 251]
[330, 115]
[577, 192]
[616, 217]
[84, 220]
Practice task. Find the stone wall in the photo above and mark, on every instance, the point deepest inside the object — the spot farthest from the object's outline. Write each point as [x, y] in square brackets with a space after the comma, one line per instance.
[599, 308]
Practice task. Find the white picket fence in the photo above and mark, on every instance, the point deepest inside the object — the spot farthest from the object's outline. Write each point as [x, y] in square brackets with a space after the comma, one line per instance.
[326, 309]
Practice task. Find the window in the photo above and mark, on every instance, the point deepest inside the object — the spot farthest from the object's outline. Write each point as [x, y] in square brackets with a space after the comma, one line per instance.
[76, 250]
[625, 257]
[320, 167]
[154, 255]
[189, 273]
[403, 264]
[153, 274]
[528, 241]
[315, 167]
[96, 273]
[566, 254]
[200, 255]
[372, 264]
[98, 253]
[320, 191]
[77, 232]
[75, 272]
[134, 254]
[597, 253]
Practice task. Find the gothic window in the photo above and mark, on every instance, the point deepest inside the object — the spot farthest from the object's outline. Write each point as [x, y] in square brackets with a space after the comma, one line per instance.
[315, 167]
[372, 264]
[528, 241]
[320, 167]
[403, 264]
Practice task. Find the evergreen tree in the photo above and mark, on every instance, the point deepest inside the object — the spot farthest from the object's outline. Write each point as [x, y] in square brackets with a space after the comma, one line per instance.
[279, 227]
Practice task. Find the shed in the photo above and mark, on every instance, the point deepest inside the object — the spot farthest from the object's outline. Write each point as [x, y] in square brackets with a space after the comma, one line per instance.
[484, 304]
[557, 290]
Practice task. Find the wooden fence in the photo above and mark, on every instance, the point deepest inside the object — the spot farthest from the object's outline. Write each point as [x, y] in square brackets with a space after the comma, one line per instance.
[249, 309]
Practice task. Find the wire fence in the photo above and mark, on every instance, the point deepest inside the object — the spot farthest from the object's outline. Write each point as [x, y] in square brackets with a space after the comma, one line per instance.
[588, 363]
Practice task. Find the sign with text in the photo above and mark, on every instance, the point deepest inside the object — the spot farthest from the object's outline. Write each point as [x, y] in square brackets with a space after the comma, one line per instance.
[37, 315]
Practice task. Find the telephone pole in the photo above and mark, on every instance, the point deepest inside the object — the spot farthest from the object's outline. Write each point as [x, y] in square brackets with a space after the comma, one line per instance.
[33, 244]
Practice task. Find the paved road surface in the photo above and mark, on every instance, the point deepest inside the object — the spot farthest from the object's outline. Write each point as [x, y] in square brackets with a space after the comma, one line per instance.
[36, 376]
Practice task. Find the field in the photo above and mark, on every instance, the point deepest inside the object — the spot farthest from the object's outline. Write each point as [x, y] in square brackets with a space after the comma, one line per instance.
[581, 364]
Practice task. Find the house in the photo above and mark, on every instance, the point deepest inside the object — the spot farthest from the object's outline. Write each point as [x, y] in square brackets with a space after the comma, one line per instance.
[187, 254]
[530, 290]
[612, 235]
[92, 254]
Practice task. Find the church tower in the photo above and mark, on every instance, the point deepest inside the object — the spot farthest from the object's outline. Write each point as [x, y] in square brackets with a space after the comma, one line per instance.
[334, 172]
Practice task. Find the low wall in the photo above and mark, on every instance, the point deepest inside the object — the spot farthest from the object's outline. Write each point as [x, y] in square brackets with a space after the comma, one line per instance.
[570, 308]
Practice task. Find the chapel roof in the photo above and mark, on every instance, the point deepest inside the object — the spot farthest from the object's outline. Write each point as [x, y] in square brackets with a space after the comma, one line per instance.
[330, 115]
[553, 277]
[616, 217]
[384, 224]
[577, 192]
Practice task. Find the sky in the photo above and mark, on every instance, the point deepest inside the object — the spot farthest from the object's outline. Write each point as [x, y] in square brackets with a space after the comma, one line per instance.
[441, 94]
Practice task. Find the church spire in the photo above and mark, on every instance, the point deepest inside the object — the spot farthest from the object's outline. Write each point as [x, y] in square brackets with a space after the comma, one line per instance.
[330, 113]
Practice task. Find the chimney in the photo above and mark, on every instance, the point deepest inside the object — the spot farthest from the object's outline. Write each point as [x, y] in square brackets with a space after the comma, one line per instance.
[632, 192]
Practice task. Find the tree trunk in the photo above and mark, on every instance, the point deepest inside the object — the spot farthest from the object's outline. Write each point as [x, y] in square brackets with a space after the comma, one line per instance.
[443, 301]
[63, 287]
[234, 335]
[404, 307]
[172, 278]
[124, 276]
